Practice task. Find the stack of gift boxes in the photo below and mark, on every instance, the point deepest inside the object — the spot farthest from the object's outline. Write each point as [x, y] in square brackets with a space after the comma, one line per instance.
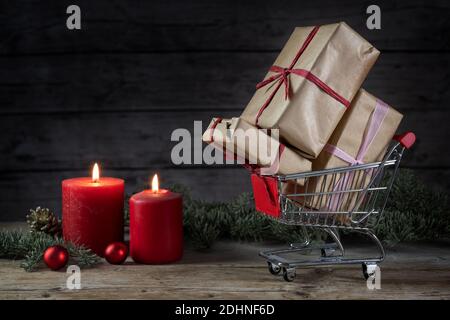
[312, 94]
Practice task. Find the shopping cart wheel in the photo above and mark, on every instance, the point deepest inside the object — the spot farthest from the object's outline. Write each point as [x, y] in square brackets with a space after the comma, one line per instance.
[327, 252]
[289, 274]
[368, 270]
[273, 268]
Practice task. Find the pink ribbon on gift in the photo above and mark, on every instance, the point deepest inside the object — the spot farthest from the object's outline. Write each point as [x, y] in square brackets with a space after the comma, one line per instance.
[375, 122]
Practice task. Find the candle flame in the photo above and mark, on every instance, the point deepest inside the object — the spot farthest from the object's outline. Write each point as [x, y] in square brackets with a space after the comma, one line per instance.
[95, 173]
[155, 183]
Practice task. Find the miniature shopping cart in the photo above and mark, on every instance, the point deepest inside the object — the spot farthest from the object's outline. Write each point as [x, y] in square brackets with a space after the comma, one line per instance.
[351, 198]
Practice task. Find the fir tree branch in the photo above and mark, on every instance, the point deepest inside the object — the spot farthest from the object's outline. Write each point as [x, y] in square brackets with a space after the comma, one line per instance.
[413, 212]
[31, 246]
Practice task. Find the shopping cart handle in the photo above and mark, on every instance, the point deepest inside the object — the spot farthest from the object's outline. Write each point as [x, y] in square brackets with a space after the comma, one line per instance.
[407, 139]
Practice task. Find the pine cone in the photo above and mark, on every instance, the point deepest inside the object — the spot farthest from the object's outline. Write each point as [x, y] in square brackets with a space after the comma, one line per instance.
[43, 220]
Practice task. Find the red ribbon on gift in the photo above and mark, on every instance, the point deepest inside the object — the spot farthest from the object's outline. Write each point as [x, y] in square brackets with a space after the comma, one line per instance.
[282, 76]
[252, 168]
[213, 127]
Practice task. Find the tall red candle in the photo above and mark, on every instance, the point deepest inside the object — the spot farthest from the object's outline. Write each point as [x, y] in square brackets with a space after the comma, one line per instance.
[156, 226]
[92, 211]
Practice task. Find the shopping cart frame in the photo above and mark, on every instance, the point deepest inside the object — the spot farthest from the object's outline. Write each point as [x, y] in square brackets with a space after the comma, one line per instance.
[361, 216]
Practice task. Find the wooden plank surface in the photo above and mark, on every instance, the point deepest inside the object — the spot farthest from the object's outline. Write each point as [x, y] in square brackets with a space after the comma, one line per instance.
[25, 190]
[234, 271]
[214, 81]
[143, 140]
[39, 27]
[114, 91]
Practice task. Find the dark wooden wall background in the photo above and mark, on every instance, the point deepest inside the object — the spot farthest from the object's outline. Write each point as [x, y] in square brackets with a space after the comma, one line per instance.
[114, 91]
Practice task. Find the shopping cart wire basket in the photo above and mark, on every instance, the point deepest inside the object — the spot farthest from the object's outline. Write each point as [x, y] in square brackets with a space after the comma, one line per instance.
[351, 198]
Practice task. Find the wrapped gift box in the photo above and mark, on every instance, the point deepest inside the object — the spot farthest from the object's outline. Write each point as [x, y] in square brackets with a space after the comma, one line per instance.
[255, 147]
[309, 87]
[362, 136]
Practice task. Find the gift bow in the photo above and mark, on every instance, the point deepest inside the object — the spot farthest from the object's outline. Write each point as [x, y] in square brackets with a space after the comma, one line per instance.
[282, 76]
[375, 122]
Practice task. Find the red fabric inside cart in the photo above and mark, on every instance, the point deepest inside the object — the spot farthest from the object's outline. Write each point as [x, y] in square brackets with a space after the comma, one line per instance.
[265, 192]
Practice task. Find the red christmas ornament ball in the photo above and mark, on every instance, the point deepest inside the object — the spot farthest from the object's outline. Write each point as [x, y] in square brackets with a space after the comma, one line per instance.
[56, 257]
[116, 253]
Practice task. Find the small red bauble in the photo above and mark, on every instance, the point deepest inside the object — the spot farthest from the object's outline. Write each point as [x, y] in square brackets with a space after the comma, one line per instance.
[56, 257]
[116, 253]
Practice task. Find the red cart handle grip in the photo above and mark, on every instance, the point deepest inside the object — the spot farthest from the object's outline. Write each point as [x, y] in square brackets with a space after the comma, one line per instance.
[407, 139]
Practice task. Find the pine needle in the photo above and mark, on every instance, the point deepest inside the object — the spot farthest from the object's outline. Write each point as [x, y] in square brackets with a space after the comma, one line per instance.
[31, 246]
[413, 212]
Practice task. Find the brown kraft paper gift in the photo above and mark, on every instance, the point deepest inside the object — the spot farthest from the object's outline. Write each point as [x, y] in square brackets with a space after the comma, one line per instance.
[224, 132]
[307, 90]
[369, 122]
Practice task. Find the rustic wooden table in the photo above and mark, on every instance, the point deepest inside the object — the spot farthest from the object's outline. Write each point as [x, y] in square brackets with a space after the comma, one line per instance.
[233, 270]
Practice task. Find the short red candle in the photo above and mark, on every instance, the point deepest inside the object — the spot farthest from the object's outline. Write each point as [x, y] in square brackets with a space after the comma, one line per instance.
[156, 227]
[92, 212]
